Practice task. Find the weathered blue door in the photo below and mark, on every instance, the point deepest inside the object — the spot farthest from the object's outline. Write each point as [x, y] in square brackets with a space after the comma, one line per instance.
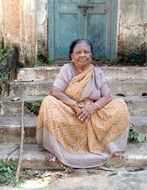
[91, 19]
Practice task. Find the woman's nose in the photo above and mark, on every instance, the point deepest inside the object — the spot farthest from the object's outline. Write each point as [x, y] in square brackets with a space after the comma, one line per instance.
[82, 53]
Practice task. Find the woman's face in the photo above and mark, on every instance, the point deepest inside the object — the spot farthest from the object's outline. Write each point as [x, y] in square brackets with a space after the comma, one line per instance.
[81, 55]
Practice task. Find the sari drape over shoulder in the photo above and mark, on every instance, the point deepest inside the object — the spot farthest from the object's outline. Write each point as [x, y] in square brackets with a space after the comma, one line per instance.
[82, 144]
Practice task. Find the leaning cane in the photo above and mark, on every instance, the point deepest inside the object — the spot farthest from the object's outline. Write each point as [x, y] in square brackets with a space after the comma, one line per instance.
[21, 144]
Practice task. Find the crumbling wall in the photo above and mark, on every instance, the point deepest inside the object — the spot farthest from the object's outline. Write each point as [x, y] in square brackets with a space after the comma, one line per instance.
[19, 27]
[42, 15]
[1, 18]
[25, 22]
[132, 25]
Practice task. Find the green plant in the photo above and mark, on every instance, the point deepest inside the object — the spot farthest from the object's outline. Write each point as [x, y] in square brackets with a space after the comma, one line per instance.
[134, 136]
[49, 60]
[4, 79]
[1, 54]
[33, 106]
[3, 76]
[1, 43]
[133, 56]
[43, 59]
[7, 171]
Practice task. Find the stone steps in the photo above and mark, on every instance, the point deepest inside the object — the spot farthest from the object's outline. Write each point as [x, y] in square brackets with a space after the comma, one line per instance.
[34, 83]
[10, 107]
[135, 156]
[10, 128]
[50, 72]
[127, 87]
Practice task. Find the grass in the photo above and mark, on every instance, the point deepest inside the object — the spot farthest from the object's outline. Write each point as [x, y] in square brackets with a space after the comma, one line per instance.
[33, 106]
[136, 137]
[7, 171]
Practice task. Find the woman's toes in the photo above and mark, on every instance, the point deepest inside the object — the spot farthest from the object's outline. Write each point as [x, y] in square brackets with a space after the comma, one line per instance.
[118, 154]
[50, 157]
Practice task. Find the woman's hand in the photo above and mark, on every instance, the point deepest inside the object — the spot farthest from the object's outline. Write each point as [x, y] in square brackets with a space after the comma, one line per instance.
[85, 111]
[77, 108]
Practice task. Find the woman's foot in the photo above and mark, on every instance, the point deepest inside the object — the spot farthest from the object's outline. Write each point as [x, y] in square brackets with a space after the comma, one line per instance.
[50, 157]
[118, 154]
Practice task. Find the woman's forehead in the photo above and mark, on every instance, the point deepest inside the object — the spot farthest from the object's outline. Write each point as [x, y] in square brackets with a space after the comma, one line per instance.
[82, 45]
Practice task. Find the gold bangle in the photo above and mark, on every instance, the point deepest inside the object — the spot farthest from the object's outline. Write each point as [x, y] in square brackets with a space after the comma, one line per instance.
[73, 103]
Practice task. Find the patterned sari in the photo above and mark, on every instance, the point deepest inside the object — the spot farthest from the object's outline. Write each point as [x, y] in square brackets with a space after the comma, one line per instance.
[82, 144]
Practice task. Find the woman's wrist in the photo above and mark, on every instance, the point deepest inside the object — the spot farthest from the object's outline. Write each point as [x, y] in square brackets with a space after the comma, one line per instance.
[74, 105]
[97, 106]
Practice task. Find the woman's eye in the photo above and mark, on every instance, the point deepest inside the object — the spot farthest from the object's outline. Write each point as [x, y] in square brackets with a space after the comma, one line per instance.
[86, 52]
[80, 52]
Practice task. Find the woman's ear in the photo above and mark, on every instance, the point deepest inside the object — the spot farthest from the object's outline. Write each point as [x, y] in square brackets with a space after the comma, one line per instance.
[72, 58]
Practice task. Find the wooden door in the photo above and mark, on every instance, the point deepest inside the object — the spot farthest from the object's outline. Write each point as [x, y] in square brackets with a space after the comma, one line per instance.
[90, 19]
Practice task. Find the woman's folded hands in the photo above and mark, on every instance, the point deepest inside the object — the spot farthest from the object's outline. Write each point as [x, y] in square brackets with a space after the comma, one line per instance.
[84, 111]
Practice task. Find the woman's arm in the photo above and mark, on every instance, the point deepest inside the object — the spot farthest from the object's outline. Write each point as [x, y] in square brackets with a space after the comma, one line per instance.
[87, 110]
[60, 95]
[104, 100]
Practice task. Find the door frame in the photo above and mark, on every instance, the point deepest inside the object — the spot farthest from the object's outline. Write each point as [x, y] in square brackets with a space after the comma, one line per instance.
[113, 21]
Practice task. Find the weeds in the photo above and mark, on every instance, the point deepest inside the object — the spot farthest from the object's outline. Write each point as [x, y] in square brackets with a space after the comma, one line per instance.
[135, 57]
[134, 136]
[7, 171]
[42, 59]
[33, 106]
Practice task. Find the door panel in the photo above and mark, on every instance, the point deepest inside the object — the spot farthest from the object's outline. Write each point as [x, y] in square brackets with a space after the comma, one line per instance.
[96, 33]
[96, 1]
[67, 1]
[90, 19]
[67, 26]
[68, 30]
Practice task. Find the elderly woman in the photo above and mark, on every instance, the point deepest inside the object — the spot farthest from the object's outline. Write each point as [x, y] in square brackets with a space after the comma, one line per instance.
[79, 123]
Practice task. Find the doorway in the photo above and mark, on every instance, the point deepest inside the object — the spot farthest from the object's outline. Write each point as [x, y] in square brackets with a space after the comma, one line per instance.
[95, 20]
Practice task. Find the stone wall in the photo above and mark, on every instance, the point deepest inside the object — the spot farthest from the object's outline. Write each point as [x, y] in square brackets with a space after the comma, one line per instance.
[42, 11]
[132, 24]
[1, 18]
[25, 22]
[19, 27]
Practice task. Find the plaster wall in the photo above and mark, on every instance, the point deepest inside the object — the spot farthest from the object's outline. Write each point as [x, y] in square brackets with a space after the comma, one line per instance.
[1, 17]
[19, 26]
[132, 24]
[42, 17]
[25, 22]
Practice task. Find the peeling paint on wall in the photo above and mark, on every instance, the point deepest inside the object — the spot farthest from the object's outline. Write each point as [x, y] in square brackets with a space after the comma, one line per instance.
[28, 31]
[25, 22]
[1, 17]
[132, 22]
[42, 27]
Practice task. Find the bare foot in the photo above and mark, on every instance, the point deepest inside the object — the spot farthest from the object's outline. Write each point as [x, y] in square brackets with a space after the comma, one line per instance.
[50, 157]
[118, 154]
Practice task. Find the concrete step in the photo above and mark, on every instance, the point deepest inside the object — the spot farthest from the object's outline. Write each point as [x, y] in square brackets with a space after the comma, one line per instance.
[127, 87]
[13, 106]
[25, 89]
[50, 72]
[137, 105]
[135, 156]
[10, 128]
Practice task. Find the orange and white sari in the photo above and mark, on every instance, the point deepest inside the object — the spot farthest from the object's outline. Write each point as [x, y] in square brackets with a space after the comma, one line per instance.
[82, 144]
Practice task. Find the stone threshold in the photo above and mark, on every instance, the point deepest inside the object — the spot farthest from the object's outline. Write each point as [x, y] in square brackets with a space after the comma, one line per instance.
[33, 158]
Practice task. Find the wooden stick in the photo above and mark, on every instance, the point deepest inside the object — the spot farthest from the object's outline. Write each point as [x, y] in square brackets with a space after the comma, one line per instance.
[21, 144]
